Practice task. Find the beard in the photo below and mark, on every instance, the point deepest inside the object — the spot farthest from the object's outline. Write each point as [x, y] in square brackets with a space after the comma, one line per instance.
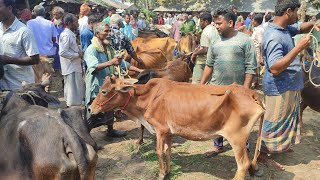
[57, 22]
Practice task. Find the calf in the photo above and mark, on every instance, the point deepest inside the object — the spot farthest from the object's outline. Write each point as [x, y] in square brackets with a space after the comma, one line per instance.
[195, 112]
[41, 143]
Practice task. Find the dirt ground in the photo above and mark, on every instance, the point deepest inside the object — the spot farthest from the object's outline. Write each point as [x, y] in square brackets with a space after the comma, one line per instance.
[121, 158]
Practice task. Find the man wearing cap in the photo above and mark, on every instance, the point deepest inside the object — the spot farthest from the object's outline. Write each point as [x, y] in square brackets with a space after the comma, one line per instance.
[83, 16]
[44, 32]
[18, 49]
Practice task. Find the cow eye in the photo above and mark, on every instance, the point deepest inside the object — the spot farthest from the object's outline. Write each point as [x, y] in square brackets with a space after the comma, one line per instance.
[104, 92]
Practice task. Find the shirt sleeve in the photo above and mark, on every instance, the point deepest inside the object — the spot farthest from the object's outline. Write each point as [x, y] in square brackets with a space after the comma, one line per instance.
[250, 57]
[54, 31]
[294, 29]
[210, 57]
[128, 46]
[64, 46]
[91, 60]
[273, 52]
[29, 43]
[85, 41]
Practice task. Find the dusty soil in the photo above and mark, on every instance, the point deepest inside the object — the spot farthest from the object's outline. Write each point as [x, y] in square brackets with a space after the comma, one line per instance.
[121, 158]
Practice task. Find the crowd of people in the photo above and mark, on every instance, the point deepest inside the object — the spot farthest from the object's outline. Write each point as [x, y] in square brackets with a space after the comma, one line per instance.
[231, 49]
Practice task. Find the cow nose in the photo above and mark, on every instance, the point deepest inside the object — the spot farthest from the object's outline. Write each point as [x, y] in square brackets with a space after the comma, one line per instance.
[89, 109]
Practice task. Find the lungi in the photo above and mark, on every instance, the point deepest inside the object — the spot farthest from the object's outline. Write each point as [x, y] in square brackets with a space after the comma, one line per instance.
[73, 89]
[281, 126]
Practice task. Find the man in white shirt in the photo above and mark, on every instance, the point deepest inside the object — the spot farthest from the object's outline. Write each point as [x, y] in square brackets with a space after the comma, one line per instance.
[199, 56]
[19, 49]
[70, 58]
[83, 16]
[256, 36]
[44, 32]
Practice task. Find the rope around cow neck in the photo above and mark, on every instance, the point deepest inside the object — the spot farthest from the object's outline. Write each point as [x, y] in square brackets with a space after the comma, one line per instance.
[315, 56]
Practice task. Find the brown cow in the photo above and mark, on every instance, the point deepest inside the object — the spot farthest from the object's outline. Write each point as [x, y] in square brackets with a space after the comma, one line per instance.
[166, 45]
[195, 112]
[43, 67]
[187, 44]
[176, 70]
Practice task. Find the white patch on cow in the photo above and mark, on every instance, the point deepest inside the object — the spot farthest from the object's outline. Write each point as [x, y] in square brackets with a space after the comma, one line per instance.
[147, 125]
[21, 124]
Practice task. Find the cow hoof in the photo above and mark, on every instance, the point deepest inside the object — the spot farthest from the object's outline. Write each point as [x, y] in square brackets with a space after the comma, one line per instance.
[258, 172]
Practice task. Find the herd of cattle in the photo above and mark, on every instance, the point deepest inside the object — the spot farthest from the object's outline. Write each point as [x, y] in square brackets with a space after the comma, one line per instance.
[38, 142]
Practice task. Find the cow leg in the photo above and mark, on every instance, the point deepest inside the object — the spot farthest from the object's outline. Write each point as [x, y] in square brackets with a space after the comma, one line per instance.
[240, 153]
[167, 148]
[160, 146]
[303, 106]
[140, 140]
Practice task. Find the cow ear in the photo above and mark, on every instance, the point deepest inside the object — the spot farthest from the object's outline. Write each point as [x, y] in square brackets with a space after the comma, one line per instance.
[124, 88]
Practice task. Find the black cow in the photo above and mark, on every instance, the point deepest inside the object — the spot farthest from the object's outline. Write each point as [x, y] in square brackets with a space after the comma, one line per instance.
[310, 94]
[41, 143]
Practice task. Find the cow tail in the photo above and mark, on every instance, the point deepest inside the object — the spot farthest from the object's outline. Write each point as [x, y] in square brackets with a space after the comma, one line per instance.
[253, 167]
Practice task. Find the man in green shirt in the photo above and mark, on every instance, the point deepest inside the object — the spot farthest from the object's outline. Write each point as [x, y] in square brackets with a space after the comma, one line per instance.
[231, 58]
[188, 26]
[110, 12]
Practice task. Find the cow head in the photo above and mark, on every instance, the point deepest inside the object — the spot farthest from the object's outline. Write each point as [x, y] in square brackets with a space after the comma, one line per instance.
[35, 94]
[112, 95]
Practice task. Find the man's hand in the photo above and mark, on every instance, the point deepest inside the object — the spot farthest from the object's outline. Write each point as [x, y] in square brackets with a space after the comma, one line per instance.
[304, 42]
[193, 57]
[81, 54]
[115, 61]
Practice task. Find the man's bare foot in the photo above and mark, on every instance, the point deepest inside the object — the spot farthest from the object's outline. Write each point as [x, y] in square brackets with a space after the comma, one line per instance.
[214, 152]
[264, 158]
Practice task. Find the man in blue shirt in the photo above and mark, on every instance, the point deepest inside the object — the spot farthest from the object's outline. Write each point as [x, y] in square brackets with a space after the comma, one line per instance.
[127, 29]
[87, 33]
[282, 81]
[86, 36]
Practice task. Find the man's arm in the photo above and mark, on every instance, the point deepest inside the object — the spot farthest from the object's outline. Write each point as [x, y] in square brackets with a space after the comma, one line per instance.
[248, 80]
[207, 72]
[306, 27]
[284, 62]
[25, 61]
[64, 49]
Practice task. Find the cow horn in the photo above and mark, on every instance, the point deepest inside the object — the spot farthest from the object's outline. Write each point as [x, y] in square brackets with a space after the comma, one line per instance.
[130, 81]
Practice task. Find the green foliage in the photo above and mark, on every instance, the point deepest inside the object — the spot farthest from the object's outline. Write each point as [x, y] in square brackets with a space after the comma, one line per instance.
[315, 3]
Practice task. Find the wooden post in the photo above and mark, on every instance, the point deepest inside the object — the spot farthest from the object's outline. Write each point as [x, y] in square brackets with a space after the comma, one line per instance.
[27, 3]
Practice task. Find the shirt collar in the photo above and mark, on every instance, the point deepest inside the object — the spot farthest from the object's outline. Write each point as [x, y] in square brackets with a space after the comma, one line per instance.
[13, 25]
[70, 32]
[276, 27]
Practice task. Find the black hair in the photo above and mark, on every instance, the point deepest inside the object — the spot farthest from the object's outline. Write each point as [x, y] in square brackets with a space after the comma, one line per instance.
[206, 17]
[283, 5]
[68, 18]
[127, 15]
[227, 14]
[11, 3]
[258, 18]
[318, 16]
[267, 18]
[93, 19]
